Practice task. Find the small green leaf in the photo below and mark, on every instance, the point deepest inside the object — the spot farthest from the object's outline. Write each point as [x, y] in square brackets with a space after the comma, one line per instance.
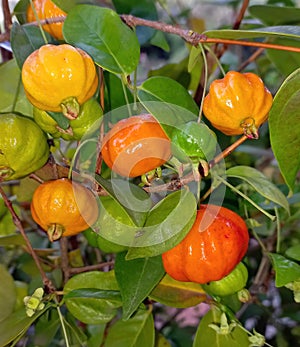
[178, 294]
[8, 294]
[93, 297]
[159, 40]
[286, 271]
[46, 328]
[25, 40]
[194, 58]
[100, 32]
[284, 118]
[136, 279]
[135, 332]
[206, 336]
[67, 5]
[166, 225]
[260, 183]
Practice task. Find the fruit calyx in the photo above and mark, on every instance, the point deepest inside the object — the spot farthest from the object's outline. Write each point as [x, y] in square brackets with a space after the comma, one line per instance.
[70, 108]
[55, 232]
[5, 172]
[249, 128]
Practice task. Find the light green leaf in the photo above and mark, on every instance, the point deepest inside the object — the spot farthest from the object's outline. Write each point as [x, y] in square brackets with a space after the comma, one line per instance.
[206, 336]
[284, 118]
[286, 271]
[100, 32]
[135, 332]
[8, 294]
[260, 183]
[13, 97]
[177, 293]
[166, 225]
[93, 297]
[136, 279]
[67, 5]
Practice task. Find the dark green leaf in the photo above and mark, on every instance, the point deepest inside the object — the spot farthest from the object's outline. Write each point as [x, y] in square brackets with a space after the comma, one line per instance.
[275, 15]
[11, 240]
[25, 40]
[100, 32]
[136, 279]
[166, 225]
[8, 293]
[284, 133]
[46, 328]
[260, 183]
[293, 252]
[16, 325]
[135, 332]
[20, 11]
[286, 271]
[178, 294]
[13, 97]
[86, 298]
[67, 5]
[206, 336]
[140, 8]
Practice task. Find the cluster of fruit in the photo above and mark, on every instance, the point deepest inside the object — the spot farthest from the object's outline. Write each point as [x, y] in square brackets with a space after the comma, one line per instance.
[63, 79]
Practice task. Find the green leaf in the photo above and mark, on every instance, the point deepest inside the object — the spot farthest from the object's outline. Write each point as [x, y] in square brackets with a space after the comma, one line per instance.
[100, 32]
[25, 40]
[16, 325]
[279, 57]
[136, 279]
[161, 341]
[166, 225]
[93, 297]
[178, 294]
[67, 5]
[293, 252]
[13, 97]
[46, 328]
[260, 183]
[284, 31]
[8, 294]
[275, 15]
[159, 40]
[134, 332]
[168, 101]
[286, 271]
[194, 58]
[206, 336]
[284, 118]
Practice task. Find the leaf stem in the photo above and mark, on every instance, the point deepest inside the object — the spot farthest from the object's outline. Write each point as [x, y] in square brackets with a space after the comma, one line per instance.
[61, 318]
[204, 83]
[39, 22]
[278, 230]
[245, 197]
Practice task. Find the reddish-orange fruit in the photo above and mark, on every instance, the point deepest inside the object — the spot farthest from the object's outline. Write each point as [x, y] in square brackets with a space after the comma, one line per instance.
[46, 9]
[63, 208]
[135, 146]
[213, 247]
[238, 103]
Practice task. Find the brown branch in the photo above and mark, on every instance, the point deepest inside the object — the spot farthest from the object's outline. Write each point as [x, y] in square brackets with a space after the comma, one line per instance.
[77, 270]
[251, 59]
[240, 15]
[46, 281]
[7, 15]
[64, 258]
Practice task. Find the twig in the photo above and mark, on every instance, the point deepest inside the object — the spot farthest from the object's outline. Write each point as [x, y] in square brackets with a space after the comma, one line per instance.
[64, 258]
[46, 281]
[252, 58]
[240, 15]
[77, 270]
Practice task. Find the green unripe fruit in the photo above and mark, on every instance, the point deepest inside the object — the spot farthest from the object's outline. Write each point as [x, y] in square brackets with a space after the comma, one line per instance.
[229, 284]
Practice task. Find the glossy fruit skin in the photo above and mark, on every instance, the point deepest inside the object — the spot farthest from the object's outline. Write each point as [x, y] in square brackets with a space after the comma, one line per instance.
[46, 9]
[194, 140]
[89, 113]
[236, 99]
[23, 146]
[66, 204]
[230, 284]
[135, 146]
[53, 74]
[216, 243]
